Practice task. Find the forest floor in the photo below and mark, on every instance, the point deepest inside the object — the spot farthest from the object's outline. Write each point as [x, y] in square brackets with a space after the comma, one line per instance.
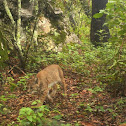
[86, 103]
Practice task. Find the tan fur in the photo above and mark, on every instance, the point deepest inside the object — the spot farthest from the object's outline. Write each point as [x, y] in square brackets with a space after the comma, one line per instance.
[47, 80]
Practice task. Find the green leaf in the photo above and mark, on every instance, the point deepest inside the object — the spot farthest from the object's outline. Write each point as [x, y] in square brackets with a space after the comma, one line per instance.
[110, 110]
[112, 1]
[102, 11]
[58, 117]
[91, 90]
[122, 32]
[29, 118]
[98, 89]
[101, 108]
[3, 98]
[40, 114]
[115, 62]
[56, 34]
[22, 79]
[89, 108]
[34, 103]
[97, 15]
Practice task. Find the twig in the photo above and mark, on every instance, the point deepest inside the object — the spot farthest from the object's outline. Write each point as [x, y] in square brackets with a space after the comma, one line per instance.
[11, 69]
[20, 70]
[15, 66]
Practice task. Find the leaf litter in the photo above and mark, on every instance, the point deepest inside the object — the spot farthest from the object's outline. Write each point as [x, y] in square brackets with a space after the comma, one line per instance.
[81, 106]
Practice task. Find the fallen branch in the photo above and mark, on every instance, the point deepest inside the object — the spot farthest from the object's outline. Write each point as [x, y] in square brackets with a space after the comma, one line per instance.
[15, 66]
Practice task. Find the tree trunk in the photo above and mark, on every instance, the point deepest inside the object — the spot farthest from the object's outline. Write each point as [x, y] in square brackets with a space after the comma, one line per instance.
[16, 37]
[99, 32]
[8, 12]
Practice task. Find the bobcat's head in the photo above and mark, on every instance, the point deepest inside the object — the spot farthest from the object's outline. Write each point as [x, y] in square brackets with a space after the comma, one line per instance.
[33, 86]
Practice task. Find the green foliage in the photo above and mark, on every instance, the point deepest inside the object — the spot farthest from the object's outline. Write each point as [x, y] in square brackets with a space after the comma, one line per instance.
[115, 14]
[89, 108]
[70, 57]
[111, 60]
[96, 89]
[35, 102]
[59, 38]
[22, 83]
[98, 15]
[3, 109]
[75, 9]
[3, 98]
[58, 117]
[116, 21]
[74, 95]
[114, 63]
[10, 81]
[83, 26]
[28, 117]
[117, 107]
[3, 50]
[97, 107]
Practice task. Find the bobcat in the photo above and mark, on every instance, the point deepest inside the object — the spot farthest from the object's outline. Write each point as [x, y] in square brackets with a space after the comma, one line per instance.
[47, 80]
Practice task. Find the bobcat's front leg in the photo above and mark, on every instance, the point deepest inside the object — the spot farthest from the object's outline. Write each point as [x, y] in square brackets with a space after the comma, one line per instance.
[42, 96]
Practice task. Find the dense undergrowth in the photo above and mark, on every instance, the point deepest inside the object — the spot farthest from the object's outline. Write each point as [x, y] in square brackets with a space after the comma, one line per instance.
[95, 76]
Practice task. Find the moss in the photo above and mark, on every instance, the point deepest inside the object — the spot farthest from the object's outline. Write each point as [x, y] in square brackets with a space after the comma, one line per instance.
[59, 37]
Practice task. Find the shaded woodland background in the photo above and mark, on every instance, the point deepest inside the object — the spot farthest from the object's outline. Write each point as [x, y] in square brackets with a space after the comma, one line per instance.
[86, 38]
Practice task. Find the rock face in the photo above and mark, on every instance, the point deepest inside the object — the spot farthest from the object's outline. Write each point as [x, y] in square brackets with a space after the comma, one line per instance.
[44, 26]
[73, 38]
[49, 24]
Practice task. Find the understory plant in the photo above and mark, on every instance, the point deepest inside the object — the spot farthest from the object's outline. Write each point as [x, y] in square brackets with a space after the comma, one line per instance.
[29, 117]
[114, 65]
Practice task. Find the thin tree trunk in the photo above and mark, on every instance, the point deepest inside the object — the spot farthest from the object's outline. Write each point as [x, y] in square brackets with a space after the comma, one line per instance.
[10, 16]
[8, 12]
[35, 30]
[16, 37]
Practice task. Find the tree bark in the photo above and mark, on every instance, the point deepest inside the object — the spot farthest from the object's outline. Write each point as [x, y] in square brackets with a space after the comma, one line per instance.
[99, 32]
[16, 37]
[8, 12]
[10, 16]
